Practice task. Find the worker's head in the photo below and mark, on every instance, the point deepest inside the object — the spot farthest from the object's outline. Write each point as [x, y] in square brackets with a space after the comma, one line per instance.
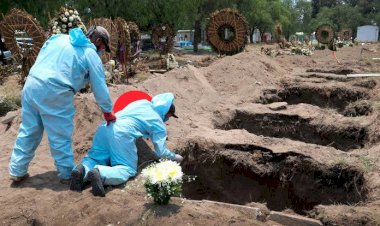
[163, 104]
[100, 37]
[171, 113]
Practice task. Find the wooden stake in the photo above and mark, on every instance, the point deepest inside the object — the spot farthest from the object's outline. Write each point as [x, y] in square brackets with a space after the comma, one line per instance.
[334, 55]
[363, 75]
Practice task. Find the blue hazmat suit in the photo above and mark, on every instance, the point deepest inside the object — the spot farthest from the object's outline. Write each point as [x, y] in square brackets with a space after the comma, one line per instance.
[114, 151]
[65, 64]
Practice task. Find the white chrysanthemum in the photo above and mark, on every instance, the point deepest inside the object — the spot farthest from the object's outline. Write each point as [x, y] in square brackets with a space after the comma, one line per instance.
[163, 180]
[76, 12]
[70, 24]
[71, 18]
[55, 23]
[173, 170]
[63, 26]
[147, 173]
[54, 28]
[64, 19]
[67, 13]
[160, 176]
[64, 30]
[162, 173]
[71, 11]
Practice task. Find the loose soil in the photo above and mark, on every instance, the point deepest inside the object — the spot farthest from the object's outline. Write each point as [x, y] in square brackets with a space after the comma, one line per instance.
[317, 157]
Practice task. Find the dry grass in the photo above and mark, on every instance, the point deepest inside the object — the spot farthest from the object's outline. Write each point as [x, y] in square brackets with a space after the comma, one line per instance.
[140, 77]
[368, 163]
[10, 95]
[11, 87]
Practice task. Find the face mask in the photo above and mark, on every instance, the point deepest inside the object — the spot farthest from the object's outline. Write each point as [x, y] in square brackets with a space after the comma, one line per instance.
[99, 52]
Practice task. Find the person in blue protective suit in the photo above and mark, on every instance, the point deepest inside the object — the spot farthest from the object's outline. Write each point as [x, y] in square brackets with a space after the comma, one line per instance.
[112, 159]
[65, 64]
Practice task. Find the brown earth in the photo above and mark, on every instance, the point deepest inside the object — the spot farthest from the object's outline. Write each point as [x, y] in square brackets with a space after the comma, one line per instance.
[316, 156]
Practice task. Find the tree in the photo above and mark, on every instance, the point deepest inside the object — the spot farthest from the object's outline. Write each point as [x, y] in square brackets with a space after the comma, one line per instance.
[369, 9]
[39, 9]
[257, 14]
[343, 16]
[303, 10]
[315, 4]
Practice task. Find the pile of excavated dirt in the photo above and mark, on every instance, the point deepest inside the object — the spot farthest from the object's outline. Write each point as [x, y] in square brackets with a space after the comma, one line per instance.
[291, 134]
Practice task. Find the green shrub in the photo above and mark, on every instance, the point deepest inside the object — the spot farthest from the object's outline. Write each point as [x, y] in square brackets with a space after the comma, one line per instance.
[9, 103]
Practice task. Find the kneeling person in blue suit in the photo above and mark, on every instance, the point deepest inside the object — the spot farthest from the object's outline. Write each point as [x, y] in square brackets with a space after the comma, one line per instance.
[112, 160]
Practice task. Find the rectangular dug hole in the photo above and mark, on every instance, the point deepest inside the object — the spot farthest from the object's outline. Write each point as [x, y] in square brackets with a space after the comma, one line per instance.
[338, 98]
[241, 174]
[297, 128]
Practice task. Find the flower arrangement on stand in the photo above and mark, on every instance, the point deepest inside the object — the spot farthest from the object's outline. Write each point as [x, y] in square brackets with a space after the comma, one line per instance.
[66, 19]
[162, 180]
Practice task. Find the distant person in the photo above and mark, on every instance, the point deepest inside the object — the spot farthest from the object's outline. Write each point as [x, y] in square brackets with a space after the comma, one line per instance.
[136, 49]
[2, 50]
[2, 45]
[65, 64]
[112, 159]
[120, 52]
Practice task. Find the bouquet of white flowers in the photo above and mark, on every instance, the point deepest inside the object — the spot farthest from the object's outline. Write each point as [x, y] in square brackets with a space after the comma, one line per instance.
[162, 180]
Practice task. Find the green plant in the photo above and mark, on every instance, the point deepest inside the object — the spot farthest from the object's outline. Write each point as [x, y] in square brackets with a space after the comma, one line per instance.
[9, 103]
[368, 163]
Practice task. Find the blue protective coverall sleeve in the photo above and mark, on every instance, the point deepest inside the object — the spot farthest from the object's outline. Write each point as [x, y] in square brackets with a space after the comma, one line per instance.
[161, 104]
[158, 136]
[98, 82]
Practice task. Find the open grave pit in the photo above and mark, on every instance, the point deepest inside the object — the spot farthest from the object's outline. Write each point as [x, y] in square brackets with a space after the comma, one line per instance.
[333, 97]
[245, 173]
[297, 124]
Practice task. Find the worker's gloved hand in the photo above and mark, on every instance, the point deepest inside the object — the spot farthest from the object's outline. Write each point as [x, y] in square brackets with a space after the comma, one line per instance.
[109, 117]
[178, 158]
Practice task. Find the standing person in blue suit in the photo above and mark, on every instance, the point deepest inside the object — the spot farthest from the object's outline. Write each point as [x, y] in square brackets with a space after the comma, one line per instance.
[65, 64]
[112, 159]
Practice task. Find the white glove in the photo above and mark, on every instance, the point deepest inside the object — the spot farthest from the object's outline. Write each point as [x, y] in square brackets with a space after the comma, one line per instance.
[178, 158]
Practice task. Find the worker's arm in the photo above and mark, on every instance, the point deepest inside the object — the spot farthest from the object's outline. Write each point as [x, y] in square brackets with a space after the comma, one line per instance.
[159, 142]
[98, 82]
